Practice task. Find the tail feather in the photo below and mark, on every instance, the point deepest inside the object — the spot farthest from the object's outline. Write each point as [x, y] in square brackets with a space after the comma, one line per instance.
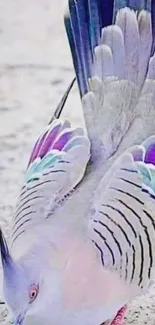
[95, 25]
[114, 44]
[103, 63]
[145, 35]
[76, 58]
[84, 24]
[127, 21]
[112, 36]
[72, 25]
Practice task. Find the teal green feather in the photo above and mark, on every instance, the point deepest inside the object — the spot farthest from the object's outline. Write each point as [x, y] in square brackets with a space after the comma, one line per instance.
[152, 172]
[144, 172]
[147, 171]
[39, 165]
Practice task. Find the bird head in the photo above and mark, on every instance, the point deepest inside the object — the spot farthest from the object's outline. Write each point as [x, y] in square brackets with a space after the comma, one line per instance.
[27, 290]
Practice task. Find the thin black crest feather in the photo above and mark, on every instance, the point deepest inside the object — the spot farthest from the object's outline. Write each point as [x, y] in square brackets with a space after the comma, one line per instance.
[61, 105]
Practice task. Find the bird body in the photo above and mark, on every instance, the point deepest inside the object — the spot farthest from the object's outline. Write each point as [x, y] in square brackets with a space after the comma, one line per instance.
[83, 236]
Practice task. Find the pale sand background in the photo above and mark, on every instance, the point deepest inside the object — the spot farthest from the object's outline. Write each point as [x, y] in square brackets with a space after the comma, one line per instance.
[35, 69]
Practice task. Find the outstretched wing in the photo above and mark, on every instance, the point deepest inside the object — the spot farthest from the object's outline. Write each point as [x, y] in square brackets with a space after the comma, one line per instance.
[56, 166]
[122, 221]
[113, 55]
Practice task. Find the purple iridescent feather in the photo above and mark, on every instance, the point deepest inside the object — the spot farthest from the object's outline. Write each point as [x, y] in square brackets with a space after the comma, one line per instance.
[150, 154]
[56, 137]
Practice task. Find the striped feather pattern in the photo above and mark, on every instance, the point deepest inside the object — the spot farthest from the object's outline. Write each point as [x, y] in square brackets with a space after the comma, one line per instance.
[56, 166]
[122, 222]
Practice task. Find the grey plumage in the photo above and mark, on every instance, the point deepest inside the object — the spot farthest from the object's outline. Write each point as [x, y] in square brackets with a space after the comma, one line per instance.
[83, 235]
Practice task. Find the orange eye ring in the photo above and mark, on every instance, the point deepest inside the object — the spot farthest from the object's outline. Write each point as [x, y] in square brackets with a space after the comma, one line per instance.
[33, 292]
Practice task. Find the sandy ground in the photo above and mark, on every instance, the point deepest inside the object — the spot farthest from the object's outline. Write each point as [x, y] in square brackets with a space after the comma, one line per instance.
[35, 69]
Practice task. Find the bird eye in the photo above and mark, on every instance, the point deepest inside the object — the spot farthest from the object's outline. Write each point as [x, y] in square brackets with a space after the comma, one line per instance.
[33, 292]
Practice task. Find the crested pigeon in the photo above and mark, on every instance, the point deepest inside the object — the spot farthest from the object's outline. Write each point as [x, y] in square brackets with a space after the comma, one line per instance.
[83, 234]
